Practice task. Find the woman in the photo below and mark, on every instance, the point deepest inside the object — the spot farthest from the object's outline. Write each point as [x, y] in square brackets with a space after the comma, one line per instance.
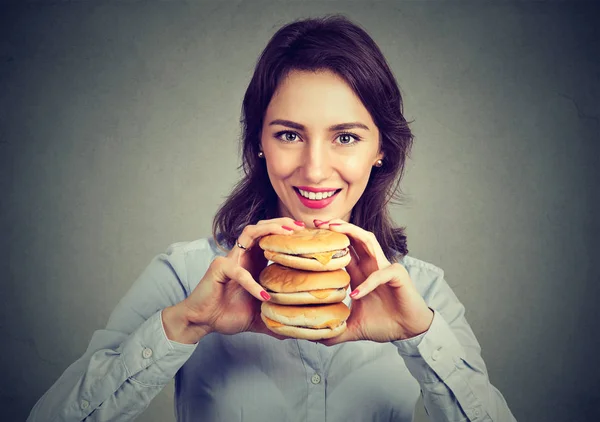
[324, 146]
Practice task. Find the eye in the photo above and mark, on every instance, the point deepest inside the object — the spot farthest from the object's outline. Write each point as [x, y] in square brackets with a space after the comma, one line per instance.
[348, 138]
[287, 136]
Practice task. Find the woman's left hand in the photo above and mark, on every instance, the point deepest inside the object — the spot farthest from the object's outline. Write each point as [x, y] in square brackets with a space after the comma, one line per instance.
[386, 306]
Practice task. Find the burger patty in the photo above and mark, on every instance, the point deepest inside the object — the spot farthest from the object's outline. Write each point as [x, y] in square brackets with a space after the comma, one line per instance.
[325, 257]
[319, 293]
[338, 254]
[341, 253]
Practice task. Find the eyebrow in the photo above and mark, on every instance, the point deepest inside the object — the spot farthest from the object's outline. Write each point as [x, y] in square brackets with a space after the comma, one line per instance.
[341, 126]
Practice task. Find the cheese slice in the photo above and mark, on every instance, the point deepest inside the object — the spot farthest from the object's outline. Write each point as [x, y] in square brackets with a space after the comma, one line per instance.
[332, 323]
[272, 323]
[322, 257]
[321, 294]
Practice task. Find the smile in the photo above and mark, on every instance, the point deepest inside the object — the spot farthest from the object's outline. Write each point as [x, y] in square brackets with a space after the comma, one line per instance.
[316, 197]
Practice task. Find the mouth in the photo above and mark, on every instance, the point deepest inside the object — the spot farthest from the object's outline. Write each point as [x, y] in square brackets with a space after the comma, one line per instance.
[316, 197]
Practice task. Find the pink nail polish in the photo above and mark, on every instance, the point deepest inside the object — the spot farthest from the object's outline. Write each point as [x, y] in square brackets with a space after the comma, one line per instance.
[335, 224]
[287, 228]
[354, 293]
[320, 222]
[265, 295]
[299, 223]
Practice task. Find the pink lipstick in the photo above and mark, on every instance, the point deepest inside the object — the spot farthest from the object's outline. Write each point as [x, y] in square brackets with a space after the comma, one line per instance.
[316, 197]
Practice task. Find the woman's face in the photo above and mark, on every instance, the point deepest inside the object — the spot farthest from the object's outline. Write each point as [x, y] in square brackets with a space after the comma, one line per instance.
[320, 143]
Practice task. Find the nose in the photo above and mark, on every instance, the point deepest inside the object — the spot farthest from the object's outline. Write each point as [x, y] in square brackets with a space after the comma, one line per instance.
[316, 162]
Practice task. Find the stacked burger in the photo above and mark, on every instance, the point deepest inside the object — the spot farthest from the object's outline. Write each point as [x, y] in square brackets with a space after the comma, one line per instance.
[307, 283]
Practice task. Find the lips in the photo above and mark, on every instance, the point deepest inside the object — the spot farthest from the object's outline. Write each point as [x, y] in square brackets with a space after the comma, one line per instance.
[326, 196]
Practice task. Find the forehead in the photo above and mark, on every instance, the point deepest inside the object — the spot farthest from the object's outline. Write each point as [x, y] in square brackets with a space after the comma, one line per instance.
[314, 98]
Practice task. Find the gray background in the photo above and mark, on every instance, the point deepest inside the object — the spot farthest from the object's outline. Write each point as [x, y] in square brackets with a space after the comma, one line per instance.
[118, 136]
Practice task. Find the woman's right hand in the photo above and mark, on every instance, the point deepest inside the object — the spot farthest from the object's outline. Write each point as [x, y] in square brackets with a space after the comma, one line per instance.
[225, 299]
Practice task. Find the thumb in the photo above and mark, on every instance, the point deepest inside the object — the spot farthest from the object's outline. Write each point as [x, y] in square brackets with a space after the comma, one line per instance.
[353, 269]
[348, 335]
[259, 327]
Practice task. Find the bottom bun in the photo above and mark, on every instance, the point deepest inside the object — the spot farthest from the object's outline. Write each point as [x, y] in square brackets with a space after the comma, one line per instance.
[304, 333]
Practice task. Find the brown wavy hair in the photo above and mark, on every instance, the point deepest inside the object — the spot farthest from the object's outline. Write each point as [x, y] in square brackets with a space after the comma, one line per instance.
[336, 44]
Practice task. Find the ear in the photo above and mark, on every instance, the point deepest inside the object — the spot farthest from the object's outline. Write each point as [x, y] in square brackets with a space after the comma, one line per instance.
[380, 156]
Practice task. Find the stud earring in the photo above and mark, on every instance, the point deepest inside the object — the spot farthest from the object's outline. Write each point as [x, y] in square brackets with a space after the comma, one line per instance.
[261, 154]
[378, 163]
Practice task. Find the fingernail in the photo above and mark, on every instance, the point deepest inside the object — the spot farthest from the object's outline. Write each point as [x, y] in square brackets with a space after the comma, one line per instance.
[319, 222]
[265, 295]
[287, 228]
[299, 223]
[335, 224]
[354, 293]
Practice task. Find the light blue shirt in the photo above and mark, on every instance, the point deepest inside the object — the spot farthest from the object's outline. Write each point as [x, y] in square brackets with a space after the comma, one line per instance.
[253, 377]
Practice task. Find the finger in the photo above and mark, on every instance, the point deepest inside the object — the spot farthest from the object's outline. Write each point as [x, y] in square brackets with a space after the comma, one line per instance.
[258, 326]
[252, 233]
[364, 242]
[234, 272]
[393, 275]
[284, 221]
[353, 269]
[342, 338]
[348, 335]
[254, 261]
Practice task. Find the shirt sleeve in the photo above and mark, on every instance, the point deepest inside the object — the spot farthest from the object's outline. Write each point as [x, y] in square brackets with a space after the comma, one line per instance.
[446, 361]
[130, 361]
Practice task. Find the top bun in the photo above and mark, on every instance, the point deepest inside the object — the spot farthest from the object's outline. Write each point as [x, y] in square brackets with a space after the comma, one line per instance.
[305, 241]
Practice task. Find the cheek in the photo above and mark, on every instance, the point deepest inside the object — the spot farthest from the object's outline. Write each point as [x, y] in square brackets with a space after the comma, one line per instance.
[278, 169]
[356, 170]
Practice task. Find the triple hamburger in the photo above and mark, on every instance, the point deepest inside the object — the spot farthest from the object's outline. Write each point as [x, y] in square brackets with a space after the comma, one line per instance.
[307, 283]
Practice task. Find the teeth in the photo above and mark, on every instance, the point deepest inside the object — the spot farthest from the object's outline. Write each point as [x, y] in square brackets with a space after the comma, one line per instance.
[316, 196]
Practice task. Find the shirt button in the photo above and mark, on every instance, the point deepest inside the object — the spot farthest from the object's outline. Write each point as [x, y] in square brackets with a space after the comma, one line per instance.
[85, 404]
[436, 354]
[147, 353]
[316, 378]
[473, 414]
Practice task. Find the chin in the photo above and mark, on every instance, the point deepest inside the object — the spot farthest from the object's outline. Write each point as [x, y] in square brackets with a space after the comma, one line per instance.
[299, 213]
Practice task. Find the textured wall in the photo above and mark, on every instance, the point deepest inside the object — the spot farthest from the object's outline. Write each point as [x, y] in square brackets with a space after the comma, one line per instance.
[118, 129]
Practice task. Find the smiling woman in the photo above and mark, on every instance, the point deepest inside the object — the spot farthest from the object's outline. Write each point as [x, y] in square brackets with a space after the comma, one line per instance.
[324, 147]
[322, 113]
[320, 169]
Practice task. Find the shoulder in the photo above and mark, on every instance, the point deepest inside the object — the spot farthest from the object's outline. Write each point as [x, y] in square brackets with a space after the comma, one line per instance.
[427, 277]
[204, 247]
[415, 264]
[191, 259]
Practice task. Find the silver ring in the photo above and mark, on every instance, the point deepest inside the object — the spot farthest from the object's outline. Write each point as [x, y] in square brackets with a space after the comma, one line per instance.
[239, 245]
